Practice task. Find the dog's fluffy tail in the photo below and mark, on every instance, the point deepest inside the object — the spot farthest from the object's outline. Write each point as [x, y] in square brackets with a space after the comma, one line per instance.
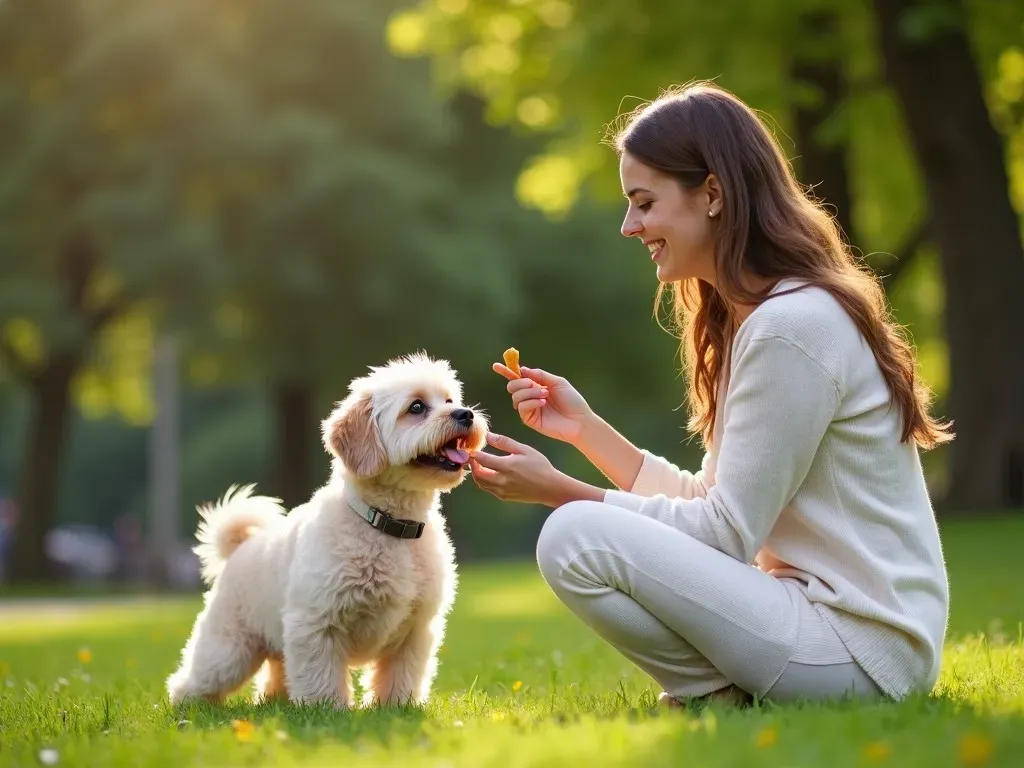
[229, 522]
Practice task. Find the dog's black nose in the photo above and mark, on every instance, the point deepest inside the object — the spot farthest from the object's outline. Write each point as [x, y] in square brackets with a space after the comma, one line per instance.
[463, 415]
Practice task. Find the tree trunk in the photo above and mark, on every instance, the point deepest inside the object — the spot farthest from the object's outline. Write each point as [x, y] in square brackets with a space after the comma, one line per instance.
[294, 438]
[929, 63]
[164, 465]
[815, 69]
[50, 395]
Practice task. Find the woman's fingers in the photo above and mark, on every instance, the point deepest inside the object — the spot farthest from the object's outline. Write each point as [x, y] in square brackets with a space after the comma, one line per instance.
[481, 474]
[529, 377]
[503, 370]
[514, 386]
[541, 376]
[530, 406]
[490, 461]
[528, 393]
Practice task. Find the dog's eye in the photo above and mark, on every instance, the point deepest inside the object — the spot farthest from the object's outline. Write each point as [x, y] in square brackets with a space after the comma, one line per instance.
[449, 401]
[417, 407]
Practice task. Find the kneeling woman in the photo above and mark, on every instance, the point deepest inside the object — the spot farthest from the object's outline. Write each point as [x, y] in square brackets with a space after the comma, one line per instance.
[804, 392]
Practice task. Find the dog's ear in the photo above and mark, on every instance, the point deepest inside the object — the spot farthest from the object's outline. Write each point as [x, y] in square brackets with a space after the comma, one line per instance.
[351, 434]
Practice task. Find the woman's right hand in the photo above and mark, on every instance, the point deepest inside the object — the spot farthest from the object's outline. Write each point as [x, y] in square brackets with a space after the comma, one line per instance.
[546, 403]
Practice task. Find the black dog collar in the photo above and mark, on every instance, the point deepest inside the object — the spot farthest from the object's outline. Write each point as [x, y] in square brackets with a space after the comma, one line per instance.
[385, 523]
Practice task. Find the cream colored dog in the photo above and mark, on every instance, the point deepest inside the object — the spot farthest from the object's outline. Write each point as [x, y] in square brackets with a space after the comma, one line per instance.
[360, 576]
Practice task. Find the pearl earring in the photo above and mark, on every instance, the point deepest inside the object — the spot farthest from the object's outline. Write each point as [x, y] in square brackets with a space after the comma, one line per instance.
[711, 213]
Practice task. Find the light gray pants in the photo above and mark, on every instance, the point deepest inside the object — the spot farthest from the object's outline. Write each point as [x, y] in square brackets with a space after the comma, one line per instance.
[693, 618]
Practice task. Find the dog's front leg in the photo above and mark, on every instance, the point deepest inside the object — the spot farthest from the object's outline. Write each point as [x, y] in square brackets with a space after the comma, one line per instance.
[316, 666]
[405, 675]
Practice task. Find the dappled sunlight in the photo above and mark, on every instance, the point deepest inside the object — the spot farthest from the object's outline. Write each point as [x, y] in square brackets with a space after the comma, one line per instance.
[407, 33]
[25, 338]
[537, 111]
[31, 621]
[550, 183]
[119, 382]
[985, 672]
[515, 600]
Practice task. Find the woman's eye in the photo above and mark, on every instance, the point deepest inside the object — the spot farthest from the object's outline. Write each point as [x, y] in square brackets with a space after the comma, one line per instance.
[645, 206]
[417, 407]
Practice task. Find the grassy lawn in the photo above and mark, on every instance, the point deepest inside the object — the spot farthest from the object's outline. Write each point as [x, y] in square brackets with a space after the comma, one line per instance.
[521, 683]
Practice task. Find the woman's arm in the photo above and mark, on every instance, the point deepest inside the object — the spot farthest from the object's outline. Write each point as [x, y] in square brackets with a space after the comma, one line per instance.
[614, 455]
[636, 470]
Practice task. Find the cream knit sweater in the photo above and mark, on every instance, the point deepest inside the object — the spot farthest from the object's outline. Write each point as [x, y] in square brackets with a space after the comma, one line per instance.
[806, 477]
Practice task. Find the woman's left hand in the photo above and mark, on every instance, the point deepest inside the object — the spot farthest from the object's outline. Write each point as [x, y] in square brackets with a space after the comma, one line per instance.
[525, 474]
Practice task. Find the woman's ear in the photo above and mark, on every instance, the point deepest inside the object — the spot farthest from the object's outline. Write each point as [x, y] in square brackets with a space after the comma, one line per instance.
[351, 434]
[713, 191]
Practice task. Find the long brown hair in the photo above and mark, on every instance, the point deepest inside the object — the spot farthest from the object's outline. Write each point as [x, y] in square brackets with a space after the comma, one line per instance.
[769, 227]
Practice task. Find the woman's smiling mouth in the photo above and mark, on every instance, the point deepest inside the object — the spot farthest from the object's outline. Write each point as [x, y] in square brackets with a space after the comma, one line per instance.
[655, 247]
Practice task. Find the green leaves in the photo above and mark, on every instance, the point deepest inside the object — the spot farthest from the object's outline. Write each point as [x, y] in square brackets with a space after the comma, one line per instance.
[279, 157]
[610, 57]
[931, 18]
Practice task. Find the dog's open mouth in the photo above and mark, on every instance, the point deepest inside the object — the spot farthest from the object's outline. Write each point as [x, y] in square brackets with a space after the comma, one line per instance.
[450, 457]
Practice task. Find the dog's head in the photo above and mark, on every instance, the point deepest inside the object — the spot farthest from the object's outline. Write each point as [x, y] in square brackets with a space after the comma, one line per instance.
[404, 425]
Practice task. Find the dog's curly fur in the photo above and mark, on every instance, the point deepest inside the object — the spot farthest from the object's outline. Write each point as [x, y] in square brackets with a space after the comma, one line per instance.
[301, 599]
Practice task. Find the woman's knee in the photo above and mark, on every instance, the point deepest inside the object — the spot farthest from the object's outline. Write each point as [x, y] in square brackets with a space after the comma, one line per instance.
[561, 536]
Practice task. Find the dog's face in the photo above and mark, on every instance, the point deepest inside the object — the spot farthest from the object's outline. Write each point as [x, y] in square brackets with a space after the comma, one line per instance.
[404, 425]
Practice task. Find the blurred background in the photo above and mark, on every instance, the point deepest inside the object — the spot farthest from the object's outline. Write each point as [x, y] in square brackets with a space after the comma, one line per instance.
[215, 213]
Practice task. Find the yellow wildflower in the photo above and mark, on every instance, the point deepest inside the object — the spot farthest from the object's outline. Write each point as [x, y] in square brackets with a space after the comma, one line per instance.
[84, 655]
[975, 749]
[517, 685]
[766, 737]
[877, 751]
[243, 729]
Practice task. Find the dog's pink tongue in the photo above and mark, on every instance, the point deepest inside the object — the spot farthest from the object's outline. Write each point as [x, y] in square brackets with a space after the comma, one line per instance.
[456, 455]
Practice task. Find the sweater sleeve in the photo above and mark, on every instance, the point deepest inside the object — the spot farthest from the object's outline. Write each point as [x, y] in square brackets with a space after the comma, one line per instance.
[659, 476]
[779, 405]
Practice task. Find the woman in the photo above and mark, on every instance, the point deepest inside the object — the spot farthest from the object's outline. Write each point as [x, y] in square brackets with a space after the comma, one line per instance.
[805, 395]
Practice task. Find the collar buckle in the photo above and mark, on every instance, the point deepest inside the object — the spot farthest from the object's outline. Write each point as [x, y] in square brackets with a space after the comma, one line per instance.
[391, 526]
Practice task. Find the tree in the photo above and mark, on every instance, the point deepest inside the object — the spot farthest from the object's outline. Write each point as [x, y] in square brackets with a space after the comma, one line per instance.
[929, 61]
[89, 203]
[346, 239]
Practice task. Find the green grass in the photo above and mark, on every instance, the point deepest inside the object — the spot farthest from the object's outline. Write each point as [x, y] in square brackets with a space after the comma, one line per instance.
[521, 683]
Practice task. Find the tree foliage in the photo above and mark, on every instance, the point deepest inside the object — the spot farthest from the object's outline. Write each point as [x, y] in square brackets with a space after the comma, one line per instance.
[569, 69]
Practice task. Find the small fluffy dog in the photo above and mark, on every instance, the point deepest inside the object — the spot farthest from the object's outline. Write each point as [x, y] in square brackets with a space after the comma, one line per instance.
[360, 576]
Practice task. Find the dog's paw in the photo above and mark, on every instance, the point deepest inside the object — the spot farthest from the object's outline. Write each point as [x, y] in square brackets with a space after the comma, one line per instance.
[177, 688]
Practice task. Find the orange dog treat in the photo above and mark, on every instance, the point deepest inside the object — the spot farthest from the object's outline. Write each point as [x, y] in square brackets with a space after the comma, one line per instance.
[511, 357]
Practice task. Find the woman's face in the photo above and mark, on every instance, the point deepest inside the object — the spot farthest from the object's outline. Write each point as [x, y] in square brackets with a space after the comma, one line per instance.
[676, 224]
